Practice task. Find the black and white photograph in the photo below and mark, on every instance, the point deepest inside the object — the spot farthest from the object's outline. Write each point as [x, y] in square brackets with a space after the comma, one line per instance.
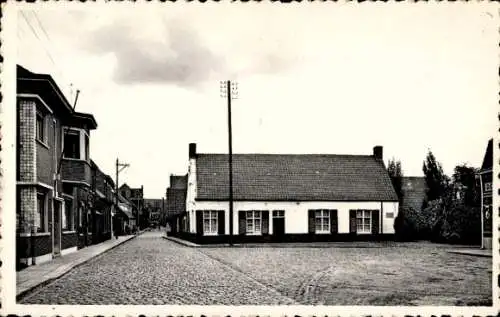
[311, 158]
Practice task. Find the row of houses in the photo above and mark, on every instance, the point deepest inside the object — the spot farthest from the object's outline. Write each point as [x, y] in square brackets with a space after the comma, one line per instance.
[65, 202]
[297, 198]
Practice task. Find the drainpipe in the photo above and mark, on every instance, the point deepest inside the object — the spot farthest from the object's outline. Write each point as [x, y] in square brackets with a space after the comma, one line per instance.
[32, 245]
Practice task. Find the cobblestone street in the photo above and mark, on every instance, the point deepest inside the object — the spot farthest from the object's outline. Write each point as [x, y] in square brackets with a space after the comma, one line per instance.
[152, 270]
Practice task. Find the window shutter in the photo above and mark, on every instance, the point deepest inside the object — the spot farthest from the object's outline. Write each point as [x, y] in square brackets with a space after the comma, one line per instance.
[199, 222]
[375, 221]
[265, 222]
[221, 222]
[352, 221]
[242, 229]
[312, 224]
[333, 222]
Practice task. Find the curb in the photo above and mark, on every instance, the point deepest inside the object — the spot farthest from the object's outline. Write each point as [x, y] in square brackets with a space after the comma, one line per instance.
[182, 242]
[34, 288]
[471, 254]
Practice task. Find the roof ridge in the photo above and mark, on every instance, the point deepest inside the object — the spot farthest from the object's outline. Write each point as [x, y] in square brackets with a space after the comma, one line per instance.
[290, 154]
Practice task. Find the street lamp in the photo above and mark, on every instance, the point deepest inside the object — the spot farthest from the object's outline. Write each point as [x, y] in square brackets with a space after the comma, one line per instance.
[230, 90]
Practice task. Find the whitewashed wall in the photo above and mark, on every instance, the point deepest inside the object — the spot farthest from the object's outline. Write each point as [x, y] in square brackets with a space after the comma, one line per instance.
[296, 213]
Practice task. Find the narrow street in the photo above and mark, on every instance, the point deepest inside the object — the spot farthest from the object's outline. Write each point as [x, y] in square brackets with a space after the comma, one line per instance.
[150, 270]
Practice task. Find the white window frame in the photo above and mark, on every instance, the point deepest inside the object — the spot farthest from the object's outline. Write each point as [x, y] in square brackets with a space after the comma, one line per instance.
[364, 221]
[323, 214]
[251, 217]
[208, 216]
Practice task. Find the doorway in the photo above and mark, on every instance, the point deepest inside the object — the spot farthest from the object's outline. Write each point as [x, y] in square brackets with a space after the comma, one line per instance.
[278, 225]
[56, 237]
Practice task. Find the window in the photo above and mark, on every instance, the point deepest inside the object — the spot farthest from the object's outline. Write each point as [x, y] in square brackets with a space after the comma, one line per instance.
[72, 144]
[278, 214]
[41, 212]
[210, 222]
[487, 187]
[66, 216]
[363, 221]
[322, 221]
[40, 127]
[254, 222]
[89, 220]
[87, 155]
[80, 216]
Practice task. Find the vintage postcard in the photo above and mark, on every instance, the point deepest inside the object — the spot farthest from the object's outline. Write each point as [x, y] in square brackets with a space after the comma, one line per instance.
[231, 159]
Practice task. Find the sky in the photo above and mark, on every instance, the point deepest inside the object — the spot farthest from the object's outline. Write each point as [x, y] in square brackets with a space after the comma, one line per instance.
[336, 79]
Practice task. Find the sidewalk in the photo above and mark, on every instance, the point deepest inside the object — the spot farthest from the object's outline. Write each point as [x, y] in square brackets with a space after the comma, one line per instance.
[38, 275]
[473, 252]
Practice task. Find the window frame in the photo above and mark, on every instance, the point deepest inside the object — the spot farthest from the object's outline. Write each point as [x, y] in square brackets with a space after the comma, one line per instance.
[324, 214]
[255, 215]
[40, 128]
[68, 214]
[212, 215]
[364, 222]
[41, 201]
[78, 151]
[279, 213]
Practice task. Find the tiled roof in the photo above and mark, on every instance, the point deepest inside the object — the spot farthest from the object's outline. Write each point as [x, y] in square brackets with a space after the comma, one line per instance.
[295, 177]
[414, 192]
[176, 201]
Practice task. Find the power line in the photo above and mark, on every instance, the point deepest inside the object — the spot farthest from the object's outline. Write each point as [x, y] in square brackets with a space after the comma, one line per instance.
[41, 26]
[44, 47]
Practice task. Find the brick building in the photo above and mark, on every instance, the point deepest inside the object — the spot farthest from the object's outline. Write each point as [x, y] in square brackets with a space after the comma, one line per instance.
[56, 180]
[156, 210]
[136, 197]
[485, 176]
[414, 191]
[176, 203]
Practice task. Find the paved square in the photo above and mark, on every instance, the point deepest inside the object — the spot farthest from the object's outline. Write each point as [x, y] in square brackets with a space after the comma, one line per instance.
[151, 270]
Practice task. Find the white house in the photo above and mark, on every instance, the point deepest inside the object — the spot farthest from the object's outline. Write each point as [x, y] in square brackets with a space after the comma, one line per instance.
[293, 197]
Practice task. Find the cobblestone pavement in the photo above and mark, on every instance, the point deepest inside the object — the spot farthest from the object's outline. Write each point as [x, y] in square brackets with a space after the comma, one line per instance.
[391, 274]
[150, 270]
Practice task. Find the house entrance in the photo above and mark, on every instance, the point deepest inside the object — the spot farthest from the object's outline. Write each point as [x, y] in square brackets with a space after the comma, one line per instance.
[278, 224]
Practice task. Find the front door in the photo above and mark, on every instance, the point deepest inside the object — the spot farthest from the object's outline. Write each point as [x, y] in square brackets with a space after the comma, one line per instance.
[278, 224]
[56, 237]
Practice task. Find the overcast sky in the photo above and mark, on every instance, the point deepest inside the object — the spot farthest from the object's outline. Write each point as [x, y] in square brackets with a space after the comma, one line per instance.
[312, 79]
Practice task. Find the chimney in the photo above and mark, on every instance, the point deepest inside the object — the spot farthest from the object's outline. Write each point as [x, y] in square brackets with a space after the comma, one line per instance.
[378, 152]
[192, 150]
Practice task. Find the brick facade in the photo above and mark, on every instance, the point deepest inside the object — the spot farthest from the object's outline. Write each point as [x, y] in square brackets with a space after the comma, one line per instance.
[26, 149]
[38, 158]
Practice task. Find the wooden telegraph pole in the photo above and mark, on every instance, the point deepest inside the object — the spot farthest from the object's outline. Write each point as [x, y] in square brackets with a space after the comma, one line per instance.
[226, 89]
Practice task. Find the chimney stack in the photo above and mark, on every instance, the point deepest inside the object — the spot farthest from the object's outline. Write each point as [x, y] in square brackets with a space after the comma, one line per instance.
[378, 152]
[192, 150]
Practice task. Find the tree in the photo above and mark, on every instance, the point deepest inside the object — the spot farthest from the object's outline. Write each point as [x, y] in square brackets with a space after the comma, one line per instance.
[437, 182]
[465, 177]
[396, 175]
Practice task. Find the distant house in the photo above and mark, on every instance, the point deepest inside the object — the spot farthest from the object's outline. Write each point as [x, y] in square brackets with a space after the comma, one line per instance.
[176, 203]
[125, 219]
[414, 192]
[486, 183]
[156, 210]
[136, 197]
[289, 198]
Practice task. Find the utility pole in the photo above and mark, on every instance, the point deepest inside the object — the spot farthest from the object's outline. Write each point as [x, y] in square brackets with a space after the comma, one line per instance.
[119, 167]
[227, 88]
